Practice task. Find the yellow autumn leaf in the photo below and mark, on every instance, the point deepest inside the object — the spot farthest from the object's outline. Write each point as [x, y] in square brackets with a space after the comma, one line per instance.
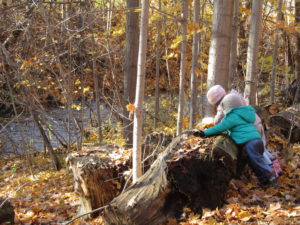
[130, 108]
[193, 27]
[249, 185]
[244, 215]
[25, 64]
[138, 10]
[86, 89]
[176, 42]
[171, 55]
[63, 100]
[117, 183]
[198, 72]
[77, 107]
[87, 70]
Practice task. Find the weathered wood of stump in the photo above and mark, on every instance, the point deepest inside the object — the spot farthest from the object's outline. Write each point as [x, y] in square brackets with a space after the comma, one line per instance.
[7, 214]
[285, 121]
[184, 175]
[97, 178]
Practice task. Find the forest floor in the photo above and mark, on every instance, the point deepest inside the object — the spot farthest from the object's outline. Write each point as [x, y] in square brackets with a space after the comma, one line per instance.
[41, 195]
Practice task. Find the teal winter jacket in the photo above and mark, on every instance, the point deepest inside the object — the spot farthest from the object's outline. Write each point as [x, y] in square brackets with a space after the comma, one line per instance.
[239, 122]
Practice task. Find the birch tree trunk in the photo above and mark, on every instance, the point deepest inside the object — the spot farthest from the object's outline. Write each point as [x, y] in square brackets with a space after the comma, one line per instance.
[130, 67]
[234, 46]
[157, 72]
[194, 78]
[184, 18]
[274, 59]
[219, 51]
[252, 52]
[139, 96]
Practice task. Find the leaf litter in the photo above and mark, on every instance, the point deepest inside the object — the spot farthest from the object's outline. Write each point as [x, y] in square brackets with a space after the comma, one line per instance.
[47, 196]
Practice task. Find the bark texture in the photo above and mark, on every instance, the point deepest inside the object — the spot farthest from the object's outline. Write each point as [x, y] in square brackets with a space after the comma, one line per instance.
[233, 62]
[130, 64]
[182, 73]
[219, 51]
[274, 58]
[139, 95]
[252, 52]
[194, 78]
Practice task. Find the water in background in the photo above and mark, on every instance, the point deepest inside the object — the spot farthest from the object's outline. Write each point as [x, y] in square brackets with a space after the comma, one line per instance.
[22, 135]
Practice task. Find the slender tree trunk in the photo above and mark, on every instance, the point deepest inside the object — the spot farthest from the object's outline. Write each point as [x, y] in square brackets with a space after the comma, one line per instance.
[252, 52]
[109, 15]
[130, 64]
[97, 96]
[194, 79]
[182, 65]
[297, 55]
[56, 163]
[288, 59]
[202, 47]
[166, 54]
[234, 41]
[219, 51]
[274, 59]
[139, 98]
[157, 70]
[80, 51]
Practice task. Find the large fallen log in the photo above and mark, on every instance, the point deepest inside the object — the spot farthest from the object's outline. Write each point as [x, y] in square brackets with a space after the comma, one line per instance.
[287, 123]
[99, 171]
[191, 172]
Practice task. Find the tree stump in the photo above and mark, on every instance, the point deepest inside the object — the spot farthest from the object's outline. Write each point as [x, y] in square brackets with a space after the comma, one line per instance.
[7, 214]
[98, 176]
[286, 120]
[191, 172]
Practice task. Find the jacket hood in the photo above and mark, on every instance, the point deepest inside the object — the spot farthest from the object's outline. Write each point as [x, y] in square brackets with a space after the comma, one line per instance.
[247, 113]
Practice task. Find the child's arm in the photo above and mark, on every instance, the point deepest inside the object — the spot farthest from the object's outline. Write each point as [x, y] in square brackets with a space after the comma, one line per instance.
[226, 124]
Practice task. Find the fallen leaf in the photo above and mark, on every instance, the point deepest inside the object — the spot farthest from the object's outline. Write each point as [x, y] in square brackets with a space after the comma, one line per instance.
[274, 206]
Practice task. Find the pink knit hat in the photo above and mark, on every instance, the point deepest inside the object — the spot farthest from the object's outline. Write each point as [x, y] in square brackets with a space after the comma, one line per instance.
[215, 94]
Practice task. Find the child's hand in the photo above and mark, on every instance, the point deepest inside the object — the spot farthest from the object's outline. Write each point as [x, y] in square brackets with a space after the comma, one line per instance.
[199, 133]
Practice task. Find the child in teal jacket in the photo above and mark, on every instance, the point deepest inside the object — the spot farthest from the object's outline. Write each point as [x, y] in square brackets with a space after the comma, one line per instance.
[239, 123]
